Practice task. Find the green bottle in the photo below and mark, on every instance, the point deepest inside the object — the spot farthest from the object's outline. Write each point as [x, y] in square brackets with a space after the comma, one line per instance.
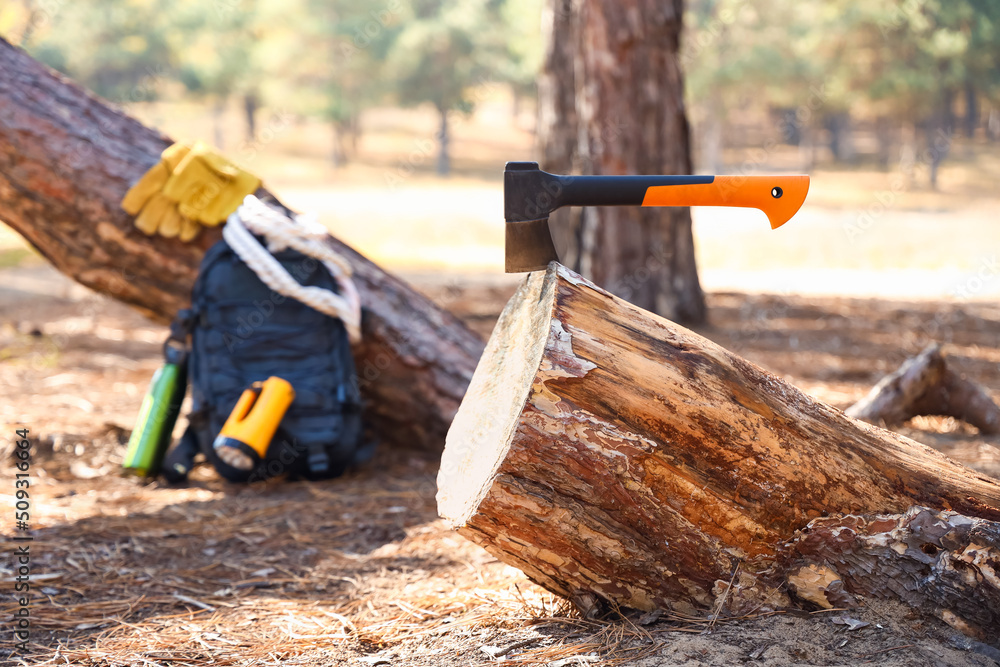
[158, 414]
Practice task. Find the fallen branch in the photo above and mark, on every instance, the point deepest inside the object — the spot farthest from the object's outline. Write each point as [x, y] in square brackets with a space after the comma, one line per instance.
[925, 385]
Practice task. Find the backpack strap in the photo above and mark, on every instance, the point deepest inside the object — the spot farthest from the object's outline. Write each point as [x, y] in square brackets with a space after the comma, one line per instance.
[180, 460]
[319, 454]
[347, 399]
[176, 348]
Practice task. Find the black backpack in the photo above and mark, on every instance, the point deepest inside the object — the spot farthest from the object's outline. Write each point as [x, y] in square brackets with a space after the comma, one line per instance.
[243, 332]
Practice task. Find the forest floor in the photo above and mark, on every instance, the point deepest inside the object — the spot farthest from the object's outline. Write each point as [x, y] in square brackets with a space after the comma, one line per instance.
[359, 570]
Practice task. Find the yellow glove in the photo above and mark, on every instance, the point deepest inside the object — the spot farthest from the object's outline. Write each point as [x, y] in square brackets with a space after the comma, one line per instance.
[153, 211]
[153, 180]
[207, 187]
[161, 215]
[187, 188]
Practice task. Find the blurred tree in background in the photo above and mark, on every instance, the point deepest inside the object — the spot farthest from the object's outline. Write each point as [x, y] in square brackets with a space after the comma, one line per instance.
[732, 53]
[906, 68]
[329, 59]
[217, 52]
[116, 51]
[335, 67]
[521, 59]
[445, 49]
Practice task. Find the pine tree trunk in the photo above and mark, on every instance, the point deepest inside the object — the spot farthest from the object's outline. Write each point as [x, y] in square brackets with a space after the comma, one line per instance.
[613, 90]
[616, 457]
[250, 105]
[557, 121]
[336, 145]
[66, 160]
[218, 122]
[557, 118]
[444, 146]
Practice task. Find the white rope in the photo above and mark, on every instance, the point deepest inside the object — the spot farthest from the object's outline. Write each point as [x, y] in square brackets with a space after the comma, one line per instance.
[308, 237]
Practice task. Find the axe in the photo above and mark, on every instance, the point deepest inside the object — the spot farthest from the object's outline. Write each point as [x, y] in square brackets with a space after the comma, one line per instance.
[530, 195]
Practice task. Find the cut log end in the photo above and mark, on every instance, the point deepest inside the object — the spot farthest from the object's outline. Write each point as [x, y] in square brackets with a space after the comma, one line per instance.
[479, 439]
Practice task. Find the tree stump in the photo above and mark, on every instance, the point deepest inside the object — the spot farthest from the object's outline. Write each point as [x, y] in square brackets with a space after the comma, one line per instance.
[66, 160]
[925, 385]
[616, 457]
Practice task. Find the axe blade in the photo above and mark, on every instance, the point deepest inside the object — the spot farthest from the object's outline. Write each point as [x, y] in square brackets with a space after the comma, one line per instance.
[528, 246]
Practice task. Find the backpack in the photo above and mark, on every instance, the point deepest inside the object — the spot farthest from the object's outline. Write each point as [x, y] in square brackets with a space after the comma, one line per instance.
[243, 332]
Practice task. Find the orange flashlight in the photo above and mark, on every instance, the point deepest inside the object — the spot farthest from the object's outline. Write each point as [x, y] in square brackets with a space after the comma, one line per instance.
[248, 431]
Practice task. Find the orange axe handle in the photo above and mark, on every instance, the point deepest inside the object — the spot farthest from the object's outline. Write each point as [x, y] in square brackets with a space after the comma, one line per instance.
[777, 196]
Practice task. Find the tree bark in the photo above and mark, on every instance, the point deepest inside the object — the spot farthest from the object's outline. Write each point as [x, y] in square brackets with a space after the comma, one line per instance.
[557, 121]
[612, 93]
[941, 563]
[614, 456]
[924, 385]
[66, 160]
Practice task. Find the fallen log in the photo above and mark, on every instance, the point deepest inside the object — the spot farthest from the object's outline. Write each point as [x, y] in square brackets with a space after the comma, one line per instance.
[66, 160]
[941, 563]
[926, 385]
[618, 458]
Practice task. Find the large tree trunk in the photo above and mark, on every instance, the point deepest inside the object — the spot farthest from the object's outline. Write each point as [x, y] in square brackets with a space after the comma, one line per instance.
[615, 456]
[66, 160]
[557, 118]
[612, 88]
[557, 121]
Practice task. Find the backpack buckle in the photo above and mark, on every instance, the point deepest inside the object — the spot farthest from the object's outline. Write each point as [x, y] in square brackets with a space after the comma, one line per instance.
[318, 460]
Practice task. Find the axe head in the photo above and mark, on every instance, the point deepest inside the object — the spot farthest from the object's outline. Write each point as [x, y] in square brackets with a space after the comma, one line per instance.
[528, 198]
[528, 246]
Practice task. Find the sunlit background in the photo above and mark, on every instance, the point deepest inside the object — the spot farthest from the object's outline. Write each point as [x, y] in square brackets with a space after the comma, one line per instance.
[892, 107]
